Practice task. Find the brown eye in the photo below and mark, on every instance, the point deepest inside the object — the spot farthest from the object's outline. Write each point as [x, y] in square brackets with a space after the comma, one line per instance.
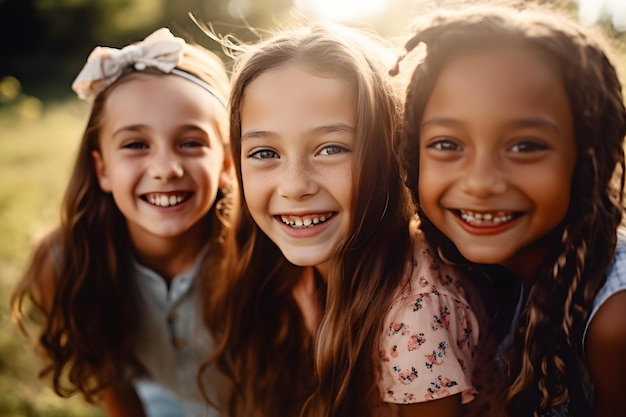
[135, 145]
[445, 145]
[528, 146]
[192, 143]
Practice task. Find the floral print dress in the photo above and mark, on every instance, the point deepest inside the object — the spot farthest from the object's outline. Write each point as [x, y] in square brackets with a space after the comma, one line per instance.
[428, 345]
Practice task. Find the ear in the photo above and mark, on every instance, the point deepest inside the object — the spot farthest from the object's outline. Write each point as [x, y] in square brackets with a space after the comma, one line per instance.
[227, 176]
[101, 173]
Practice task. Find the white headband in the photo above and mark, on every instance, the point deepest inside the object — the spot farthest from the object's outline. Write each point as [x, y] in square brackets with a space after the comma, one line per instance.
[160, 50]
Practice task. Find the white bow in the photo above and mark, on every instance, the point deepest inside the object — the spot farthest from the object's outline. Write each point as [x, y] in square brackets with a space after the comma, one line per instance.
[160, 50]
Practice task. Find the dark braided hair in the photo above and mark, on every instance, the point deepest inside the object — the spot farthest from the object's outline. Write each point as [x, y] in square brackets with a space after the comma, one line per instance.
[547, 333]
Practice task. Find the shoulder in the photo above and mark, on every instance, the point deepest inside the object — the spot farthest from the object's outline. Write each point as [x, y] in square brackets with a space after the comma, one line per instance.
[615, 282]
[430, 334]
[428, 274]
[433, 298]
[604, 353]
[608, 326]
[609, 306]
[605, 338]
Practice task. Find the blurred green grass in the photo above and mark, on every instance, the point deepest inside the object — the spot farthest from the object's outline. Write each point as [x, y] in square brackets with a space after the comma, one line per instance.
[37, 148]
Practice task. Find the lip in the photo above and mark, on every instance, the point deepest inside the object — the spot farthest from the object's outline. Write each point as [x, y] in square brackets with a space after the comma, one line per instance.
[305, 231]
[487, 229]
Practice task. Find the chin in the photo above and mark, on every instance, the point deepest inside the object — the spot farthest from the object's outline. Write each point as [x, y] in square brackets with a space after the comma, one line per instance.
[484, 257]
[304, 259]
[298, 261]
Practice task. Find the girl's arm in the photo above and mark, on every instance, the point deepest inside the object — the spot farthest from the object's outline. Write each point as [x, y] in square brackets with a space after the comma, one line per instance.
[605, 349]
[122, 401]
[445, 407]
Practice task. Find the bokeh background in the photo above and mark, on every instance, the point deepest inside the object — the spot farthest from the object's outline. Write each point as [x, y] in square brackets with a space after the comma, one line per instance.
[43, 45]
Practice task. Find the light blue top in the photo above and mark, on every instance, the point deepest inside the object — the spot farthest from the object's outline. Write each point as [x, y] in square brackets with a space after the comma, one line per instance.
[615, 282]
[172, 341]
[615, 279]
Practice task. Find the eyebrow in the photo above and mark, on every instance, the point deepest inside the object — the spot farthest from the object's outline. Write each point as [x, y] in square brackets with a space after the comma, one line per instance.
[526, 122]
[139, 127]
[319, 130]
[129, 128]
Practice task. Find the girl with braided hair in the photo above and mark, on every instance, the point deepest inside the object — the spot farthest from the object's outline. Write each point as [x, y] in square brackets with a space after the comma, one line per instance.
[513, 146]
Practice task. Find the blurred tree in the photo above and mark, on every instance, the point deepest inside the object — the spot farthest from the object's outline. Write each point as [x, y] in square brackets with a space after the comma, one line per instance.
[44, 43]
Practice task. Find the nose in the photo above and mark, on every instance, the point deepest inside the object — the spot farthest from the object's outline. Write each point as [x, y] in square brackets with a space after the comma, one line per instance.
[165, 165]
[298, 180]
[484, 177]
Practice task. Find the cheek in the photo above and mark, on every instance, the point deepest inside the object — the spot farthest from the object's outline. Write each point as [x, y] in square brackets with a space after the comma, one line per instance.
[427, 184]
[247, 181]
[556, 201]
[345, 182]
[121, 171]
[253, 187]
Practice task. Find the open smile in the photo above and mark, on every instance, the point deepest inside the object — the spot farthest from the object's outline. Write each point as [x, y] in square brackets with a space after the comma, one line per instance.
[310, 220]
[487, 218]
[168, 199]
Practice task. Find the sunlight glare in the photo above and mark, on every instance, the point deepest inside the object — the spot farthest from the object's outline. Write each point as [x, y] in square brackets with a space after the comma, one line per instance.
[341, 10]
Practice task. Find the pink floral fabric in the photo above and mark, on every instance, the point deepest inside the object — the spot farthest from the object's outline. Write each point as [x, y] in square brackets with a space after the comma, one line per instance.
[430, 336]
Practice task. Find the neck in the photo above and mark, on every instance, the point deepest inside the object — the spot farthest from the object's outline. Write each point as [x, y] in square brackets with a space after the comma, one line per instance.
[306, 295]
[170, 256]
[527, 261]
[322, 270]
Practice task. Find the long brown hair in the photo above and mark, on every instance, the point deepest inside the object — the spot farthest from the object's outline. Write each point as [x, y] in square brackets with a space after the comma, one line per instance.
[277, 368]
[87, 331]
[547, 333]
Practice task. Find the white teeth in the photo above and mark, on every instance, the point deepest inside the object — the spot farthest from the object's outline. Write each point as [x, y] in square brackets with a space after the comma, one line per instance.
[306, 221]
[486, 219]
[163, 200]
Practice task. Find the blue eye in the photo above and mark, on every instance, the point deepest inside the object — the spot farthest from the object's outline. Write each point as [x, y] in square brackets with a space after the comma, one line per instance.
[263, 154]
[332, 150]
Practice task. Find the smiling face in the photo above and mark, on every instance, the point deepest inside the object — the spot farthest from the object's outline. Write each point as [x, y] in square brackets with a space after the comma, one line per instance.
[497, 154]
[161, 156]
[297, 138]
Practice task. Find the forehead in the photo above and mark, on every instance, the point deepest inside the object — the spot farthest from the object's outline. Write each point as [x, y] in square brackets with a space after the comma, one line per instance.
[499, 66]
[501, 80]
[293, 95]
[144, 98]
[298, 76]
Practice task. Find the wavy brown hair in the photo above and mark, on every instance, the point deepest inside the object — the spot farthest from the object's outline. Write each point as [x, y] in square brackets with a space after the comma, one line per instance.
[276, 366]
[548, 335]
[87, 329]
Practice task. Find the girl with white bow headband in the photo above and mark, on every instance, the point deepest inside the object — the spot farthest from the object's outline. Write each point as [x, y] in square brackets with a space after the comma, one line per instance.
[147, 210]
